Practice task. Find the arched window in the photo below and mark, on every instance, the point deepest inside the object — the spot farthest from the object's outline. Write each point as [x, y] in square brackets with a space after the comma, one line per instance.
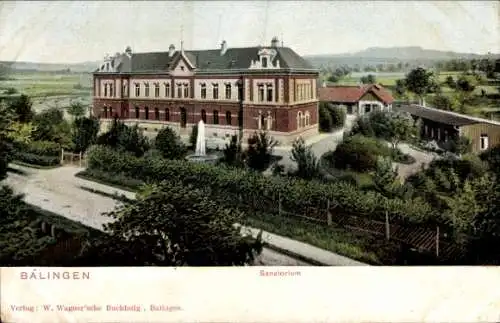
[137, 116]
[105, 112]
[216, 117]
[262, 121]
[167, 90]
[299, 119]
[146, 113]
[183, 118]
[308, 119]
[111, 112]
[204, 116]
[228, 118]
[167, 114]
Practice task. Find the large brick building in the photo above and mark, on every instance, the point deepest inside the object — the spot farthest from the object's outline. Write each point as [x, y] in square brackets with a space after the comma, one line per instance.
[268, 88]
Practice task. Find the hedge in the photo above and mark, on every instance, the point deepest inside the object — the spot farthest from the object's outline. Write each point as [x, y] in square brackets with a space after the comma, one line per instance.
[247, 188]
[42, 148]
[38, 160]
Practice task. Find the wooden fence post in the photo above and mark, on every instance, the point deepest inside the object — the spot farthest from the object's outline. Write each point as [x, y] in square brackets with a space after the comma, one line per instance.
[437, 242]
[387, 226]
[80, 159]
[328, 213]
[62, 156]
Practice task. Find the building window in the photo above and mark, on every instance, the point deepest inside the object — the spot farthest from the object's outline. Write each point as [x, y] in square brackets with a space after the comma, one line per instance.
[137, 89]
[111, 94]
[157, 90]
[167, 90]
[137, 113]
[111, 112]
[124, 90]
[203, 91]
[262, 121]
[186, 90]
[124, 112]
[146, 113]
[179, 90]
[216, 117]
[261, 92]
[368, 108]
[264, 62]
[228, 91]
[183, 118]
[240, 118]
[228, 118]
[301, 120]
[269, 89]
[307, 119]
[105, 112]
[484, 142]
[105, 90]
[204, 116]
[215, 91]
[157, 113]
[146, 89]
[240, 91]
[167, 114]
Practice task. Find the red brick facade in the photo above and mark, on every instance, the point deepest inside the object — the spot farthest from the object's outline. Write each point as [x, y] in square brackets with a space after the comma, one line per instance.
[284, 114]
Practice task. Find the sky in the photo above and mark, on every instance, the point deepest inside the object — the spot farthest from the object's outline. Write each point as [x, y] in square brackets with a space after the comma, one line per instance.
[72, 32]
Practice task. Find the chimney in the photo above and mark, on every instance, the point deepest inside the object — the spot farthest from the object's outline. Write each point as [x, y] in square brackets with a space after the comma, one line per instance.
[128, 51]
[275, 42]
[223, 47]
[171, 50]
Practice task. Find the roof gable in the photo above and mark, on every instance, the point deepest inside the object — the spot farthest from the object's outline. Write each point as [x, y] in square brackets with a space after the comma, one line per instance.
[180, 59]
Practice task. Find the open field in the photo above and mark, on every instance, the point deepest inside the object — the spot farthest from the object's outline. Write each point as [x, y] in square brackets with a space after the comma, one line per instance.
[50, 89]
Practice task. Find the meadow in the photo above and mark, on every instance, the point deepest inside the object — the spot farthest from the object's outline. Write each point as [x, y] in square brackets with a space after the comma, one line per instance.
[49, 89]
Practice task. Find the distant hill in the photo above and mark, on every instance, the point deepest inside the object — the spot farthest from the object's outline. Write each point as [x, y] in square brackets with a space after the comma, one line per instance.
[50, 67]
[381, 55]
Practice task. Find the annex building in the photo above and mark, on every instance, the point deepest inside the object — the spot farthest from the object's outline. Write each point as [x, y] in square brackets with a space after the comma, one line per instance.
[268, 88]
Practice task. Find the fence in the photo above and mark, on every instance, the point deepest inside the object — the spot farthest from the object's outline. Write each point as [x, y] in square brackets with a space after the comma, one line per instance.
[68, 158]
[421, 238]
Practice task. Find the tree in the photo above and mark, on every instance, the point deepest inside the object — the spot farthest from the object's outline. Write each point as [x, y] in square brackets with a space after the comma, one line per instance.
[259, 152]
[419, 81]
[84, 133]
[181, 225]
[466, 83]
[22, 108]
[444, 102]
[400, 87]
[76, 110]
[385, 177]
[50, 125]
[233, 153]
[6, 144]
[122, 137]
[169, 144]
[450, 82]
[307, 163]
[368, 79]
[338, 116]
[194, 136]
[325, 117]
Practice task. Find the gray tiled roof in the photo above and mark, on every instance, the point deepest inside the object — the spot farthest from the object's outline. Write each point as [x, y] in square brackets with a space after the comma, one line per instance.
[444, 117]
[208, 60]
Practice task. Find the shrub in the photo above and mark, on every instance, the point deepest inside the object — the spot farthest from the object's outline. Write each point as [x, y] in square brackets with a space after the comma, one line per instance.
[360, 153]
[169, 144]
[42, 148]
[35, 159]
[325, 118]
[338, 117]
[398, 157]
[245, 189]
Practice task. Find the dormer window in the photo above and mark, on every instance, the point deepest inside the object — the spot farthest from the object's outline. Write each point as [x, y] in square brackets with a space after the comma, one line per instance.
[264, 62]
